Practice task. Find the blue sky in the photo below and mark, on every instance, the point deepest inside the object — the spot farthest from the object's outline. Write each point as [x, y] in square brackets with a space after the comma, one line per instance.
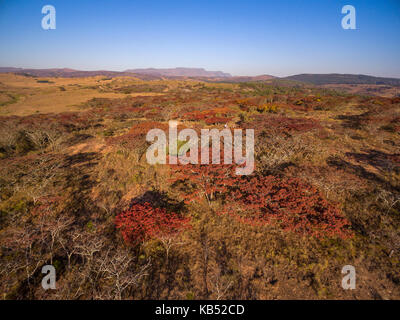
[281, 37]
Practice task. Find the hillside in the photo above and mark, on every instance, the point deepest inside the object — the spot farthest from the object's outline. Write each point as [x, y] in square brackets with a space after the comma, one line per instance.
[336, 78]
[181, 72]
[144, 74]
[200, 73]
[264, 77]
[71, 73]
[78, 193]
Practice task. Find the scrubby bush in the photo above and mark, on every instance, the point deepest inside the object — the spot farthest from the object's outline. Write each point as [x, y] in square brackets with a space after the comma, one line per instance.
[143, 222]
[289, 203]
[23, 143]
[267, 109]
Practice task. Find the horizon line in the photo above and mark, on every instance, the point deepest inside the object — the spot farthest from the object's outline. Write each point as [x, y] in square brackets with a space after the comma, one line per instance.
[201, 68]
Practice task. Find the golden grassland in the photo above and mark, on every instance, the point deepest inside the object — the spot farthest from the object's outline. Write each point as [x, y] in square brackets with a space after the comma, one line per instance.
[55, 95]
[36, 97]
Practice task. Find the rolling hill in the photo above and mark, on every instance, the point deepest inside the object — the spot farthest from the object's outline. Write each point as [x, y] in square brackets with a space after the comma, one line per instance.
[335, 78]
[202, 74]
[181, 72]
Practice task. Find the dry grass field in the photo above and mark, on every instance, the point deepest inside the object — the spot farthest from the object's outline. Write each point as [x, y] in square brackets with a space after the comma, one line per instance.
[43, 95]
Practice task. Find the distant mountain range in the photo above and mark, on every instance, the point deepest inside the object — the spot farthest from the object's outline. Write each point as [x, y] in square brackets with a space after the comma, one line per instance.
[336, 78]
[202, 74]
[71, 73]
[181, 72]
[146, 74]
[263, 77]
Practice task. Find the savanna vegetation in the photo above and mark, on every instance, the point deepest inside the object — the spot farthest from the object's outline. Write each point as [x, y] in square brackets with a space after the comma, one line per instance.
[77, 192]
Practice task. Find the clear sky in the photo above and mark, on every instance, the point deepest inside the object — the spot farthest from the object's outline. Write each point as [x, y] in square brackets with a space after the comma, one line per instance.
[248, 37]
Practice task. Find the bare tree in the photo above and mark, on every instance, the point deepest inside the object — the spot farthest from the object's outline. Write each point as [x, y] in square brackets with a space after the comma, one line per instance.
[168, 242]
[45, 137]
[119, 270]
[86, 245]
[219, 284]
[38, 181]
[23, 239]
[54, 227]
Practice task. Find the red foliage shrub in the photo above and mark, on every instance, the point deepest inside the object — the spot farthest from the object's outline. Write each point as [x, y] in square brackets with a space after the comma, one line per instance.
[212, 116]
[215, 120]
[284, 124]
[136, 137]
[204, 181]
[143, 127]
[290, 203]
[143, 222]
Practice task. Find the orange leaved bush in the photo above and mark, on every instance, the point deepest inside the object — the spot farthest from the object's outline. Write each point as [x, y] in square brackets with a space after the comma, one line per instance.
[291, 203]
[143, 222]
[204, 181]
